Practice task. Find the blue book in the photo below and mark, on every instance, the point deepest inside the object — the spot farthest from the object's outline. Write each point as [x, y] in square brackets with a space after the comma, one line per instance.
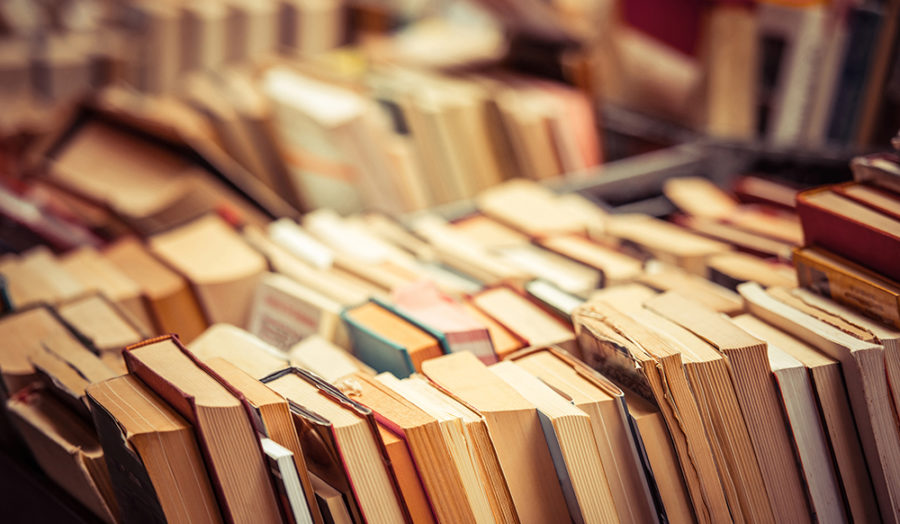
[387, 342]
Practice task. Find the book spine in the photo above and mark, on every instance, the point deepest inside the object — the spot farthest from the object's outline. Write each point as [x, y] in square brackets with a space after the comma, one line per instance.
[863, 26]
[137, 498]
[382, 355]
[864, 295]
[559, 464]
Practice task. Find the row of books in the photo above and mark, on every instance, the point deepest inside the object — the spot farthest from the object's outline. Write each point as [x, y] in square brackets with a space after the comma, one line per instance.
[287, 141]
[789, 396]
[54, 54]
[795, 75]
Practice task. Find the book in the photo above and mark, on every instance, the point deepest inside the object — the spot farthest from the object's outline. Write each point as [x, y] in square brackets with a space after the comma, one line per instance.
[572, 445]
[802, 412]
[661, 456]
[731, 49]
[630, 486]
[526, 320]
[284, 312]
[148, 180]
[880, 170]
[710, 294]
[530, 208]
[866, 329]
[168, 299]
[224, 430]
[325, 125]
[387, 342]
[882, 201]
[66, 448]
[550, 297]
[848, 283]
[450, 412]
[438, 449]
[864, 372]
[24, 332]
[36, 277]
[274, 418]
[849, 229]
[503, 340]
[326, 360]
[155, 464]
[615, 267]
[287, 483]
[94, 271]
[755, 392]
[108, 328]
[647, 236]
[730, 269]
[738, 237]
[68, 367]
[242, 349]
[666, 361]
[791, 38]
[345, 447]
[472, 260]
[422, 304]
[515, 429]
[330, 501]
[837, 418]
[340, 287]
[222, 269]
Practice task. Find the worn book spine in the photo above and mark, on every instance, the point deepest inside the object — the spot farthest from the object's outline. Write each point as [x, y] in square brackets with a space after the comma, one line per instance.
[559, 464]
[868, 295]
[138, 501]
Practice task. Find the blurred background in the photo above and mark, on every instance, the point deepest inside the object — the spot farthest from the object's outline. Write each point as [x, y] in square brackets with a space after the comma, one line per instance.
[403, 105]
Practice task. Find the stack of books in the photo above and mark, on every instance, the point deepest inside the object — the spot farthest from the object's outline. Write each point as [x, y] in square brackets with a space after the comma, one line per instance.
[850, 231]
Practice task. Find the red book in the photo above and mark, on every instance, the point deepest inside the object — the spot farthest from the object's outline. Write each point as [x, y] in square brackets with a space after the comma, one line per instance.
[850, 229]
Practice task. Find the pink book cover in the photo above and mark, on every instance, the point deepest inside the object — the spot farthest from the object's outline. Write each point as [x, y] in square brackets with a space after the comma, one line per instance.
[458, 331]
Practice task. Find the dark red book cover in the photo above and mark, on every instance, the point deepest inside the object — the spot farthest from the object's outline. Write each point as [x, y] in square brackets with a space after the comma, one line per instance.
[848, 236]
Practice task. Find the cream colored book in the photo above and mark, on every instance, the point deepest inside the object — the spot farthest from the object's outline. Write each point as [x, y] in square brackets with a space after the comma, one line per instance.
[802, 412]
[36, 276]
[515, 429]
[663, 240]
[222, 269]
[531, 208]
[616, 268]
[757, 395]
[886, 336]
[285, 312]
[709, 294]
[107, 327]
[866, 377]
[480, 449]
[837, 417]
[96, 272]
[170, 303]
[525, 319]
[569, 435]
[323, 358]
[242, 349]
[669, 372]
[603, 402]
